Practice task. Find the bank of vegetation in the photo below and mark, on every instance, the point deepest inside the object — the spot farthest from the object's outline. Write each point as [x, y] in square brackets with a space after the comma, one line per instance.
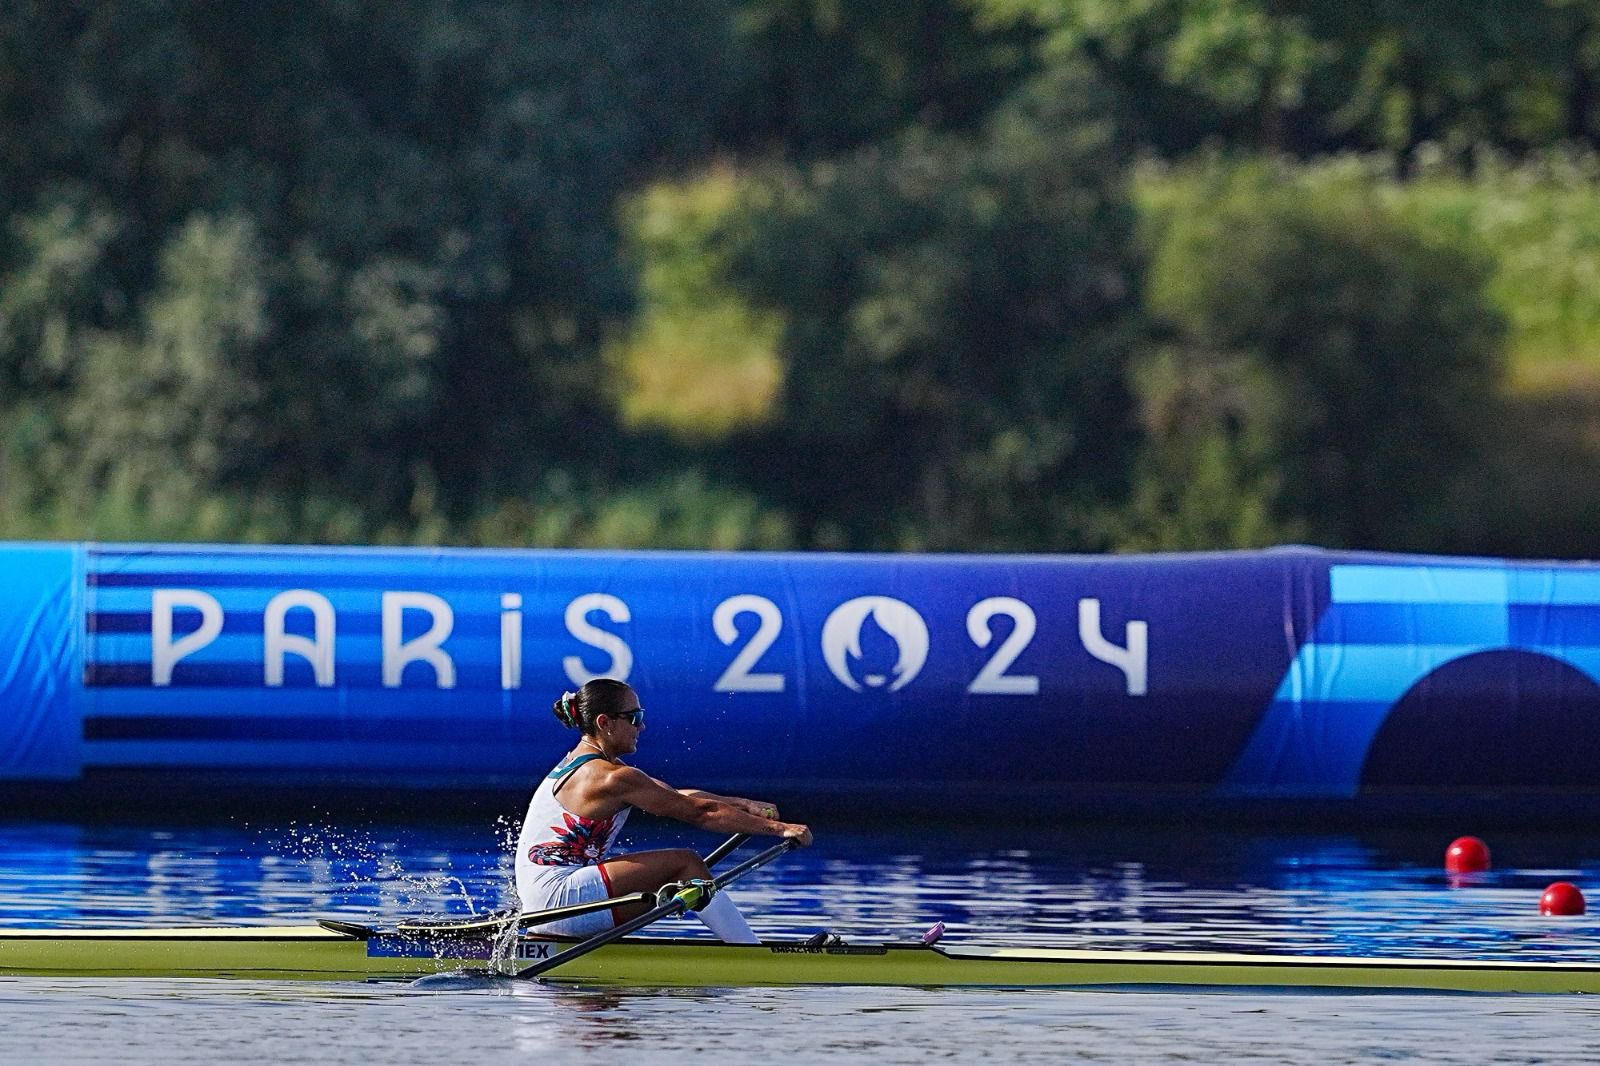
[969, 275]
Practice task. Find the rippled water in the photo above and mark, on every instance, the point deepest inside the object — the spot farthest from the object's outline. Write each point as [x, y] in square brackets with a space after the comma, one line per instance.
[1110, 887]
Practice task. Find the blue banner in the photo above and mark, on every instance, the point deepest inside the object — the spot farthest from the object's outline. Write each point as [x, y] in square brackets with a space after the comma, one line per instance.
[1284, 674]
[39, 656]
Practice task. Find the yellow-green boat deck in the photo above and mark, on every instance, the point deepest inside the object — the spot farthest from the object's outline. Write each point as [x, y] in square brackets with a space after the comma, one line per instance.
[317, 953]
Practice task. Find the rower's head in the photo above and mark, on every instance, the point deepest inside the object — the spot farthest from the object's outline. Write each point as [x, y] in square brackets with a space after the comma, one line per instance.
[605, 709]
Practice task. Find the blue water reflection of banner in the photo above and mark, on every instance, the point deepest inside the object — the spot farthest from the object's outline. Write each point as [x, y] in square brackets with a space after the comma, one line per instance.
[1256, 675]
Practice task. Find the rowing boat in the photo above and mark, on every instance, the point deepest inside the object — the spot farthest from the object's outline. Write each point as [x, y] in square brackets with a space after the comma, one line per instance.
[342, 951]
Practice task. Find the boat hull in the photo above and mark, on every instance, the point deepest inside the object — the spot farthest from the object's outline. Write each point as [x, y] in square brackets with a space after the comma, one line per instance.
[353, 953]
[264, 952]
[675, 965]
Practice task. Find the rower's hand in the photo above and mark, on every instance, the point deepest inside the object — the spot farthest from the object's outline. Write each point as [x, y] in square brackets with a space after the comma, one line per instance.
[800, 833]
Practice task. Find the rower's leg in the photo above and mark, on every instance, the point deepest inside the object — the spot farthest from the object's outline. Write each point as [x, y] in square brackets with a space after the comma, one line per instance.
[646, 871]
[724, 919]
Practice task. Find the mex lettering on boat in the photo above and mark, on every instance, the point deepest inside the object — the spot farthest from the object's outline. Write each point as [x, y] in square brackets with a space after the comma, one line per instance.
[533, 951]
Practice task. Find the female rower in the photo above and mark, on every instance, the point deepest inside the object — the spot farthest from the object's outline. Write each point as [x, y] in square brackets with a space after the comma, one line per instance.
[578, 810]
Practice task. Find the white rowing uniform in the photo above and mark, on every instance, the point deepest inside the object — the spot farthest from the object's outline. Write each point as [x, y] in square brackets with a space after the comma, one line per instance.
[559, 855]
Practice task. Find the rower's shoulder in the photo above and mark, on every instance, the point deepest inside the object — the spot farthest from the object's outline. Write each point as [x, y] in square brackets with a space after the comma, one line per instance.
[615, 778]
[621, 771]
[593, 767]
[584, 771]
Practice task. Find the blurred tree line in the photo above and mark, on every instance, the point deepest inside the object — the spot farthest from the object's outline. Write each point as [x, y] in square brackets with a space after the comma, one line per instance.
[1065, 275]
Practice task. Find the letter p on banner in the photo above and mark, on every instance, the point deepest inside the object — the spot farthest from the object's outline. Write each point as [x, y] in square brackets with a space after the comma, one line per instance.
[164, 651]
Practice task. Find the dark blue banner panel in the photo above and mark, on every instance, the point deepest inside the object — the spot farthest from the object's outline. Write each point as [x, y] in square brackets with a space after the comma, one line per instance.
[1253, 676]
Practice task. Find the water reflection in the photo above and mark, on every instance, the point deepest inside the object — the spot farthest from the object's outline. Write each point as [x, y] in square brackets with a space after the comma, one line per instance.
[553, 1022]
[1110, 888]
[175, 1022]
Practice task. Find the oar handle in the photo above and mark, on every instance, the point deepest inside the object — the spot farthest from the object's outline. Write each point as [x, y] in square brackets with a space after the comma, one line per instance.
[755, 862]
[727, 847]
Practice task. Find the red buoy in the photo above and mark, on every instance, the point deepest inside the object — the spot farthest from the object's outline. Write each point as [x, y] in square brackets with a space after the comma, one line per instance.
[1561, 898]
[1466, 855]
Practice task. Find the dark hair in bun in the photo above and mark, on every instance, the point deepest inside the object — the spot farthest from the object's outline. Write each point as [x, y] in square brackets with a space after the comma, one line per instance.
[578, 710]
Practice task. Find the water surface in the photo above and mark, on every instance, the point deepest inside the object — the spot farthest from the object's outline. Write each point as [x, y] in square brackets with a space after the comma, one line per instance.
[1106, 888]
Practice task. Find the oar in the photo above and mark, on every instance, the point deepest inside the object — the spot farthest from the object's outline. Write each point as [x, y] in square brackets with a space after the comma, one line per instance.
[725, 848]
[498, 923]
[476, 926]
[688, 897]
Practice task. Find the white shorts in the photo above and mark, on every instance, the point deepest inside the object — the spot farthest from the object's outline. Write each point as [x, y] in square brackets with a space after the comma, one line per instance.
[562, 886]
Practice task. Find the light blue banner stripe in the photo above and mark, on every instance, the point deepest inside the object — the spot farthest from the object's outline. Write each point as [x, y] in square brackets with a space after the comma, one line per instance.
[1555, 588]
[1419, 584]
[1465, 585]
[1382, 673]
[1365, 673]
[1413, 623]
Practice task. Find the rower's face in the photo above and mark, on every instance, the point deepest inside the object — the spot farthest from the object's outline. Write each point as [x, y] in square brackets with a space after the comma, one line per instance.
[622, 735]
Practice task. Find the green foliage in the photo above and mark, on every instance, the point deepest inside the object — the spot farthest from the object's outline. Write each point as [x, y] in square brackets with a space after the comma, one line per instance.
[684, 509]
[1535, 495]
[956, 313]
[1539, 220]
[1371, 342]
[174, 394]
[49, 292]
[1207, 475]
[800, 273]
[1313, 77]
[430, 194]
[1398, 75]
[827, 76]
[697, 359]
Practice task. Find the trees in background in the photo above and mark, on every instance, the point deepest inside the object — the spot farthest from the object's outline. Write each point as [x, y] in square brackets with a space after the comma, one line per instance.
[958, 310]
[1342, 359]
[356, 259]
[1309, 77]
[936, 274]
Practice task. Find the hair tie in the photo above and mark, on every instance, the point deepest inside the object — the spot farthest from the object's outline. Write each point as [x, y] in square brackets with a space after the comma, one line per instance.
[567, 711]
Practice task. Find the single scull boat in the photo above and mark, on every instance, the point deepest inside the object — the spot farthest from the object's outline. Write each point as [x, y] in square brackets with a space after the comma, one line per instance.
[341, 951]
[501, 944]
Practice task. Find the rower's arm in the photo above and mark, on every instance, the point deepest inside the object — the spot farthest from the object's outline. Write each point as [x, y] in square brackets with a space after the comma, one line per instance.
[761, 807]
[701, 809]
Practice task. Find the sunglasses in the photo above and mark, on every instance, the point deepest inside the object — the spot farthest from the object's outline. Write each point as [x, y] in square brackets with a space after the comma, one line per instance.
[634, 717]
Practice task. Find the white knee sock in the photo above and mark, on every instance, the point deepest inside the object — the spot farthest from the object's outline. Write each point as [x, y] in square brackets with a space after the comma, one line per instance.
[724, 919]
